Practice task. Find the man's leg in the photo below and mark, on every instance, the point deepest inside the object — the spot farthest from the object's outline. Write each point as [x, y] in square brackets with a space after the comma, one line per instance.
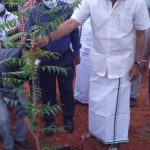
[48, 91]
[5, 126]
[135, 90]
[21, 131]
[67, 97]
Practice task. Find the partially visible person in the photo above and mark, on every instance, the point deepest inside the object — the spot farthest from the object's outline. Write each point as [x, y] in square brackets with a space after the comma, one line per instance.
[19, 134]
[147, 48]
[83, 70]
[5, 17]
[146, 57]
[148, 53]
[39, 16]
[136, 84]
[27, 5]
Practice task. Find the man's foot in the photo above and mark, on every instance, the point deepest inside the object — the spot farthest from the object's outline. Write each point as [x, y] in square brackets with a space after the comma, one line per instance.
[132, 101]
[79, 102]
[76, 101]
[69, 126]
[113, 147]
[24, 144]
[86, 136]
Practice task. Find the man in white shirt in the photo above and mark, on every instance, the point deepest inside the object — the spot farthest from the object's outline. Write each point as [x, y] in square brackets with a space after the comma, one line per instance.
[118, 40]
[6, 17]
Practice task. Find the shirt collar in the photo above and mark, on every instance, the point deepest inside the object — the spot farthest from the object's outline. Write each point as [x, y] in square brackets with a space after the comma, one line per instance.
[6, 13]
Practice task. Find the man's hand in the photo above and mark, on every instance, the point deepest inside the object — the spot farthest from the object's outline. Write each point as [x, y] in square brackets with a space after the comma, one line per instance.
[38, 43]
[134, 72]
[77, 60]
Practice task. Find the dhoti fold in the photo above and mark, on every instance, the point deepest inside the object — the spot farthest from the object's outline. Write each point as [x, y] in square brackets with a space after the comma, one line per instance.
[109, 109]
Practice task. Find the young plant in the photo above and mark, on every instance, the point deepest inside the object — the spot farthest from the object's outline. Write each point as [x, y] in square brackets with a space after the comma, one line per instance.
[28, 71]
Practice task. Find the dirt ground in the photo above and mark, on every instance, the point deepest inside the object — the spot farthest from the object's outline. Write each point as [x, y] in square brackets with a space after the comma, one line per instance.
[139, 138]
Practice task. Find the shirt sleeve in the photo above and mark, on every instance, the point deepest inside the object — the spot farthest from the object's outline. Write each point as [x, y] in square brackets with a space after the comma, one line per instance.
[30, 19]
[82, 12]
[141, 19]
[75, 41]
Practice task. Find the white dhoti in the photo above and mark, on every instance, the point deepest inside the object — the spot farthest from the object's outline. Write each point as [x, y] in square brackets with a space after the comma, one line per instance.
[82, 82]
[109, 109]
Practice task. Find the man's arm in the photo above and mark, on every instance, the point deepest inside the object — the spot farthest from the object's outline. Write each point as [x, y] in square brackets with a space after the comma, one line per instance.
[140, 40]
[64, 29]
[76, 45]
[13, 18]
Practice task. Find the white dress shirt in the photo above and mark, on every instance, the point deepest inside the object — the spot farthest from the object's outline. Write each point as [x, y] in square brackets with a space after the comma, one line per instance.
[114, 28]
[8, 17]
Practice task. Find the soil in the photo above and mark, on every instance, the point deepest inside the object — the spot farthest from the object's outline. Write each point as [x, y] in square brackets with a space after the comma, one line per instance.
[139, 133]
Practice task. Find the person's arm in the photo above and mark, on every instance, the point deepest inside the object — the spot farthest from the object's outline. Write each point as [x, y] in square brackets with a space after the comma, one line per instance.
[76, 45]
[140, 40]
[30, 18]
[81, 13]
[64, 29]
[16, 28]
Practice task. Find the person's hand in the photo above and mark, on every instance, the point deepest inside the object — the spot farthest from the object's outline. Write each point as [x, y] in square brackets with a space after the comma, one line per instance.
[144, 66]
[77, 60]
[38, 43]
[134, 72]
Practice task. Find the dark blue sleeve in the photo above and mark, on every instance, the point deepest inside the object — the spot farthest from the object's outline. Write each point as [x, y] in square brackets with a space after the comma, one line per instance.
[75, 41]
[20, 110]
[30, 20]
